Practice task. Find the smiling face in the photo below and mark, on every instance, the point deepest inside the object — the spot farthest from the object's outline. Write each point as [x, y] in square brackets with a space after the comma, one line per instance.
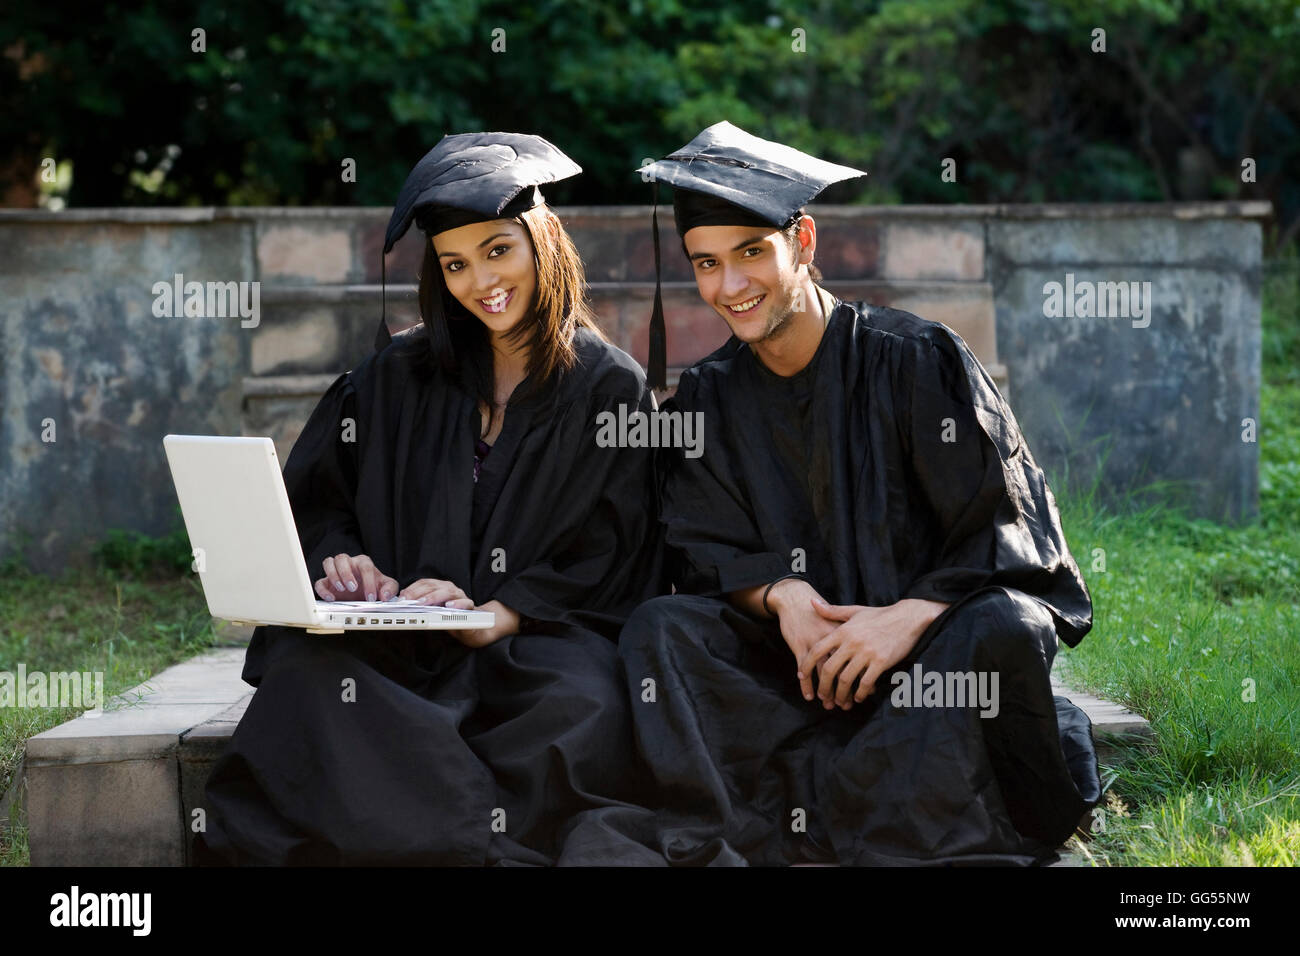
[750, 276]
[489, 267]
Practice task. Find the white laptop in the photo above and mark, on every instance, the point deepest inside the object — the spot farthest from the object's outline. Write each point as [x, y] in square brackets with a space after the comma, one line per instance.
[247, 550]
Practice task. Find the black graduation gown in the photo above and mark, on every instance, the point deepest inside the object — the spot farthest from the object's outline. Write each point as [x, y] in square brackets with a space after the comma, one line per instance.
[842, 472]
[508, 753]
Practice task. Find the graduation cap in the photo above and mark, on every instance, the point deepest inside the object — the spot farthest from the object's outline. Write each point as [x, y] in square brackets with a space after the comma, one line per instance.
[727, 177]
[468, 178]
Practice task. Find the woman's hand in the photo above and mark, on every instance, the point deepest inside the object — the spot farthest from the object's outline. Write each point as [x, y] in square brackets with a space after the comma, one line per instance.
[507, 623]
[355, 576]
[437, 593]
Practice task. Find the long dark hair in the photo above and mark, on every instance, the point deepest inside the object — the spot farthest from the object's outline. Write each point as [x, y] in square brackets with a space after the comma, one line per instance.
[459, 341]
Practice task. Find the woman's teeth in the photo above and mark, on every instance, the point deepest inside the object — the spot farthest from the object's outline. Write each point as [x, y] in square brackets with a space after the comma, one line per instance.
[497, 303]
[746, 305]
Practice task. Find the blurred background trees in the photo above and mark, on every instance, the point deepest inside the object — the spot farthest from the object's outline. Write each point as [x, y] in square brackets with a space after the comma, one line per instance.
[1019, 94]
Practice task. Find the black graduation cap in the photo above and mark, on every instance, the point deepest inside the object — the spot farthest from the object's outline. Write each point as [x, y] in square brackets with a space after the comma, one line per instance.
[727, 177]
[472, 177]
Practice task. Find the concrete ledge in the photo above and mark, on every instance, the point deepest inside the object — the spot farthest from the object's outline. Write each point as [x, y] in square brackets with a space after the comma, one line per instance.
[106, 791]
[125, 813]
[295, 386]
[1112, 724]
[200, 749]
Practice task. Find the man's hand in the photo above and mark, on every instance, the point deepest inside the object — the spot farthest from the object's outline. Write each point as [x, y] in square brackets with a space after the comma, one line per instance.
[355, 575]
[801, 625]
[865, 642]
[506, 624]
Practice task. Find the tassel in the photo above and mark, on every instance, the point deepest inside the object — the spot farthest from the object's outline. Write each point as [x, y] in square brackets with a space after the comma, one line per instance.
[657, 373]
[382, 336]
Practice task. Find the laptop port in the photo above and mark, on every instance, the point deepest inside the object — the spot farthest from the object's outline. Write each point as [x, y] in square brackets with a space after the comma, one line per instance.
[388, 620]
[347, 620]
[400, 620]
[374, 620]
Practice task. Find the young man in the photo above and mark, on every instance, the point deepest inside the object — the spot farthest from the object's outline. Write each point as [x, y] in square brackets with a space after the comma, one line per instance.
[871, 572]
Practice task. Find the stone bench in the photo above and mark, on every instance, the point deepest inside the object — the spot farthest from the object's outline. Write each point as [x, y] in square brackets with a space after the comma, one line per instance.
[120, 789]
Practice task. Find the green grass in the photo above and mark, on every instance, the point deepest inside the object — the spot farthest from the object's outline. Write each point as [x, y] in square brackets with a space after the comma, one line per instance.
[1192, 620]
[129, 624]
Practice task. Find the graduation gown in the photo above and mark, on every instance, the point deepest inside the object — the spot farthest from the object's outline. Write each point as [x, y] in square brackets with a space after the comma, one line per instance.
[445, 754]
[888, 468]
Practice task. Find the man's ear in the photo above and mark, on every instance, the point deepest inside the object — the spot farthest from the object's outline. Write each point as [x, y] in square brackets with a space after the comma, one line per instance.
[807, 239]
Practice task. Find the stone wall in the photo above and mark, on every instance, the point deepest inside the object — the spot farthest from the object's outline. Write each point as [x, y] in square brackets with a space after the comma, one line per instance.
[1160, 402]
[92, 378]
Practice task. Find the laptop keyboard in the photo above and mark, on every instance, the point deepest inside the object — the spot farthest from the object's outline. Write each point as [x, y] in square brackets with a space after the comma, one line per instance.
[384, 606]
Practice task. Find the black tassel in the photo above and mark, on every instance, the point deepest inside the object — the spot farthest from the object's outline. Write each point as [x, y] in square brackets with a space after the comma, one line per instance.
[382, 336]
[657, 373]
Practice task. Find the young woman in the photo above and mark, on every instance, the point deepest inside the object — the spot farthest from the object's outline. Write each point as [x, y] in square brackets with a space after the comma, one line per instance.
[458, 466]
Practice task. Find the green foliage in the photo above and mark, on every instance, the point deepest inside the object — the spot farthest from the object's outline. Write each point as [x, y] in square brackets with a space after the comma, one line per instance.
[141, 555]
[1012, 90]
[1248, 821]
[15, 562]
[1279, 467]
[1281, 323]
[1279, 438]
[285, 92]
